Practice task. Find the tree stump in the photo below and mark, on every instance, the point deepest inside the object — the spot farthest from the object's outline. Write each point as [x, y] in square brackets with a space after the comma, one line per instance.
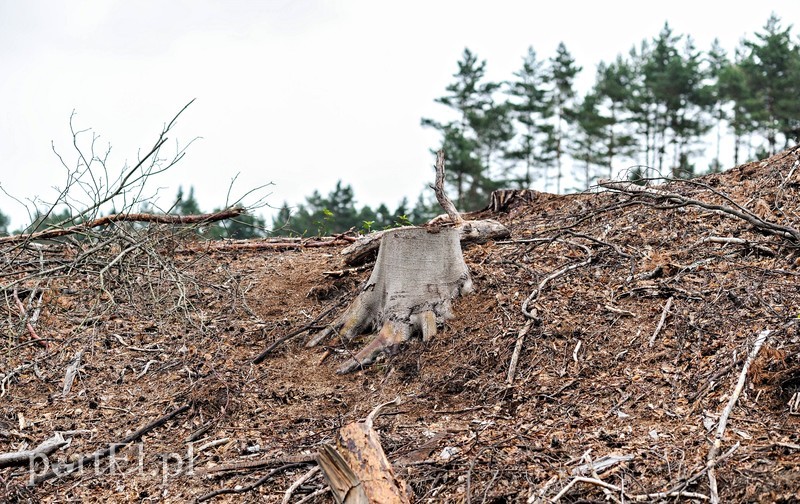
[416, 275]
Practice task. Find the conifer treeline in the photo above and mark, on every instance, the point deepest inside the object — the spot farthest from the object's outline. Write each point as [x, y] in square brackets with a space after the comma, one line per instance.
[660, 108]
[653, 107]
[655, 111]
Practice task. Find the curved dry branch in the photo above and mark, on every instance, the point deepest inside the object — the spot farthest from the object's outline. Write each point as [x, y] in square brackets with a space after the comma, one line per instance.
[757, 222]
[438, 188]
[47, 234]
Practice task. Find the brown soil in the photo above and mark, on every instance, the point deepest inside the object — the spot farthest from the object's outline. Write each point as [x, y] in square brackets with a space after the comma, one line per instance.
[183, 332]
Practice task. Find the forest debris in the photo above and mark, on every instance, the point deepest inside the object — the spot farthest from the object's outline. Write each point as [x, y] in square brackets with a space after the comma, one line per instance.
[28, 457]
[250, 464]
[678, 199]
[48, 234]
[71, 372]
[244, 489]
[512, 367]
[263, 355]
[664, 313]
[723, 420]
[63, 470]
[531, 314]
[357, 469]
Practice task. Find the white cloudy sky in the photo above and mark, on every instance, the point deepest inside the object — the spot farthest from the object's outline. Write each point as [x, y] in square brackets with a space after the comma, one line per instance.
[298, 93]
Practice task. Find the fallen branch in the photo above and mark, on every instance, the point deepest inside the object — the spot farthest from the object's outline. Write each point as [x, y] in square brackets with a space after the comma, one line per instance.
[552, 276]
[723, 419]
[664, 313]
[302, 479]
[248, 488]
[246, 465]
[739, 241]
[267, 244]
[512, 367]
[26, 457]
[71, 372]
[675, 198]
[25, 317]
[633, 497]
[58, 472]
[263, 355]
[47, 234]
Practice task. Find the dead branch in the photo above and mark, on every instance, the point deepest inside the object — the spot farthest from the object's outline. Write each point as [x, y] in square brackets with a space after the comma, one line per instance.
[739, 241]
[512, 367]
[266, 244]
[60, 471]
[247, 465]
[619, 490]
[552, 276]
[723, 419]
[299, 481]
[25, 457]
[677, 199]
[250, 487]
[263, 355]
[71, 372]
[664, 313]
[47, 234]
[441, 196]
[28, 324]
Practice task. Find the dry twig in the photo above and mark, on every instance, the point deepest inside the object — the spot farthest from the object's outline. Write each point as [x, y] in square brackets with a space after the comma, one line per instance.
[664, 313]
[723, 419]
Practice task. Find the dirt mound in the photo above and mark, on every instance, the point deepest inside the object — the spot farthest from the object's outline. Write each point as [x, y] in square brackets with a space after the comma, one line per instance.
[642, 310]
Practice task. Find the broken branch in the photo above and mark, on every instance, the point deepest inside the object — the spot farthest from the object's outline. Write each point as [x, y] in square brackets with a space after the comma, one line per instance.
[723, 419]
[664, 313]
[228, 213]
[441, 196]
[25, 457]
[675, 198]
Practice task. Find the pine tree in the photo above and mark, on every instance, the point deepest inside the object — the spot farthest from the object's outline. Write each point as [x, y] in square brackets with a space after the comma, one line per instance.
[717, 61]
[734, 89]
[480, 132]
[186, 205]
[563, 71]
[614, 85]
[673, 79]
[532, 111]
[589, 144]
[772, 67]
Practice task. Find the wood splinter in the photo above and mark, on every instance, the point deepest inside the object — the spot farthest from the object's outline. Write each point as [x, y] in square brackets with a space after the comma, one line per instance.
[357, 469]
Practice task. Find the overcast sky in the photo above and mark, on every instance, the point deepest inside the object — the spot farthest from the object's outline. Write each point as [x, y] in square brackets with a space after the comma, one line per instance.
[298, 93]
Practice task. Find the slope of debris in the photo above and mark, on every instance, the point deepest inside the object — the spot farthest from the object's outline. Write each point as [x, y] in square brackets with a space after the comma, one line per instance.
[642, 309]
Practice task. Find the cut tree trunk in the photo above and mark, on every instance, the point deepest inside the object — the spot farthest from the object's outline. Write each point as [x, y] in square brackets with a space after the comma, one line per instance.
[416, 275]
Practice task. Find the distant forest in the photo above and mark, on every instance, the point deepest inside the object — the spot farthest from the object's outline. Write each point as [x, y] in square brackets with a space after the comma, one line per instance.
[652, 109]
[655, 110]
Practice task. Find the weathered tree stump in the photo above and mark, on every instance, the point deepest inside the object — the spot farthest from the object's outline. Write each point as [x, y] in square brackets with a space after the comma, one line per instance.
[416, 275]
